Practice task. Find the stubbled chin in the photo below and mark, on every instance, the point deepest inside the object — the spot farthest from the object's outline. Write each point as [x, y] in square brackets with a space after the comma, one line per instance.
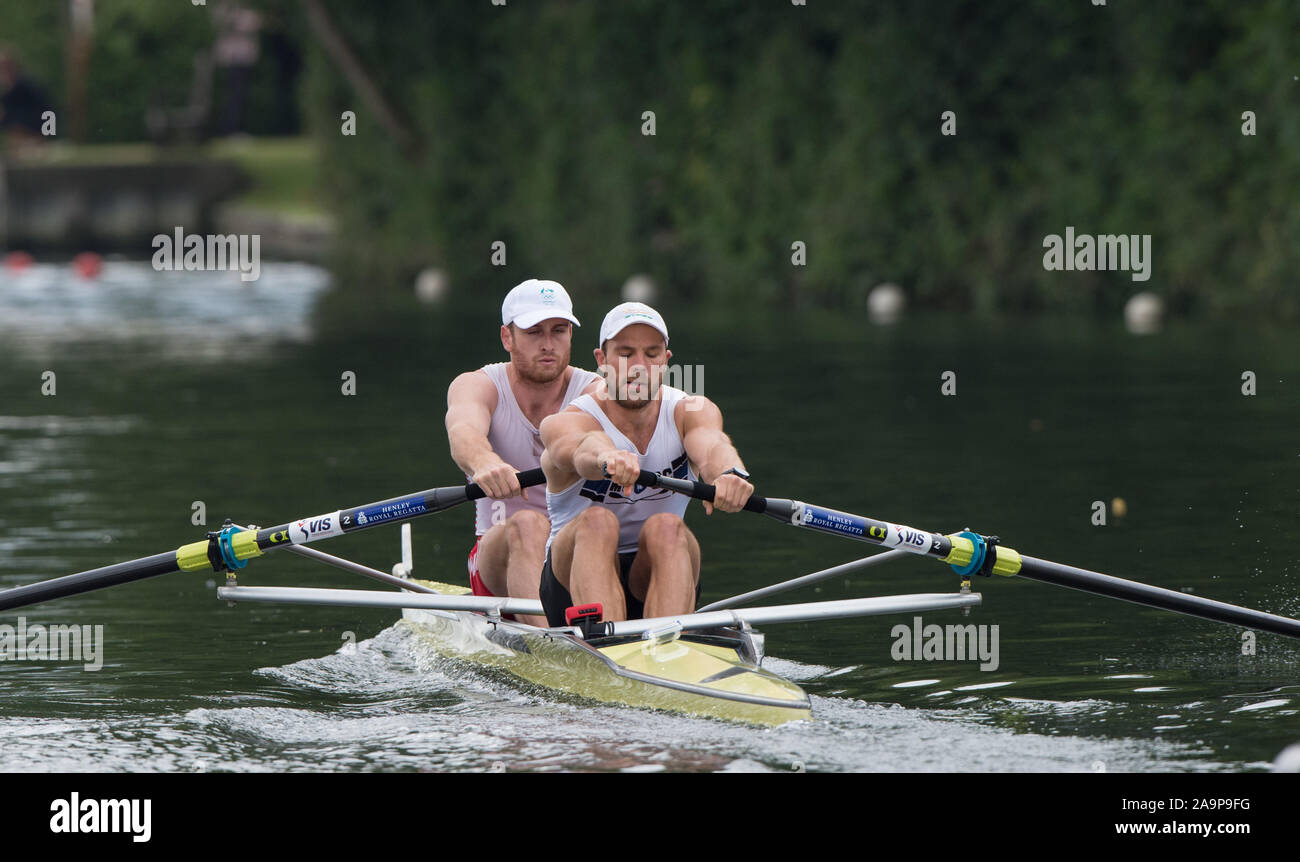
[539, 373]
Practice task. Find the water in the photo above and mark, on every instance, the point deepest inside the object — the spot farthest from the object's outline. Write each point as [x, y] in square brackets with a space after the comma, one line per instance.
[184, 391]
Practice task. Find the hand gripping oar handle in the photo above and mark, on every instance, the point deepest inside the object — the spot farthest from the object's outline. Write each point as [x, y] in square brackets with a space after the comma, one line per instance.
[527, 479]
[771, 506]
[207, 554]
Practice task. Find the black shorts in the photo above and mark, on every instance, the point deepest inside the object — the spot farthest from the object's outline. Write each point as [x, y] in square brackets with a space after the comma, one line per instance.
[556, 599]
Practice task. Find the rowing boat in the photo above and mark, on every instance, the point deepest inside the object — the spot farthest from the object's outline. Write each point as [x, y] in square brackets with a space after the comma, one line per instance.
[704, 663]
[714, 673]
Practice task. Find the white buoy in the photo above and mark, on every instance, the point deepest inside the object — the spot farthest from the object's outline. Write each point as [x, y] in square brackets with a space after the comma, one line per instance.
[885, 304]
[1143, 313]
[640, 288]
[431, 286]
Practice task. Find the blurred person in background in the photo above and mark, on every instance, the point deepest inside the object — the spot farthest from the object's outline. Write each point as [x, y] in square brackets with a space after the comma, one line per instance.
[22, 102]
[235, 53]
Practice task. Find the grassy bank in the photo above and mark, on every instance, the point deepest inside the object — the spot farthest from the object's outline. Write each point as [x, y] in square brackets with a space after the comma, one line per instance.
[285, 172]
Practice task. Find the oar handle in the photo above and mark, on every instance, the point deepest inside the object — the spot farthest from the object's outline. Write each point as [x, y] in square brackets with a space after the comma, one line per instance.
[527, 479]
[698, 490]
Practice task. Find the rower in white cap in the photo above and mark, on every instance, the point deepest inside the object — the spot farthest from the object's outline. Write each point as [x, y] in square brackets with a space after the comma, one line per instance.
[493, 414]
[613, 542]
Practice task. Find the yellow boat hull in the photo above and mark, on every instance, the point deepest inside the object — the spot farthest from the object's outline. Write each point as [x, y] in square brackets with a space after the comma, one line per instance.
[714, 674]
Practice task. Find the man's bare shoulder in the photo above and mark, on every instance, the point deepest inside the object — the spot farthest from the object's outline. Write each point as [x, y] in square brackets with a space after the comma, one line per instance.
[472, 387]
[570, 420]
[695, 410]
[595, 385]
[572, 416]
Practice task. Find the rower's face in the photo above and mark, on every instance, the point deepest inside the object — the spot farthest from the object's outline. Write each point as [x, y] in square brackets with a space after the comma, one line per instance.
[633, 364]
[540, 353]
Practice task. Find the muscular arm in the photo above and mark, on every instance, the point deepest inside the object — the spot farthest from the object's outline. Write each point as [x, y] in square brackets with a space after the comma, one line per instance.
[576, 446]
[574, 443]
[471, 398]
[707, 445]
[711, 451]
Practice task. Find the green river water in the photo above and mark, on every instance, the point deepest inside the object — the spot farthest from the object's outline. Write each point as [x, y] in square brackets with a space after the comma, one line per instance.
[170, 393]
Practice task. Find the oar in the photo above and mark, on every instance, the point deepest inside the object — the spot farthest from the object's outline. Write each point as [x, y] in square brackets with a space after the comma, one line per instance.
[231, 548]
[970, 553]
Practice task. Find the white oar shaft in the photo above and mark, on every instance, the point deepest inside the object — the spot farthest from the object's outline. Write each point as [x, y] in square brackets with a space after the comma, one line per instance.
[379, 599]
[804, 580]
[806, 612]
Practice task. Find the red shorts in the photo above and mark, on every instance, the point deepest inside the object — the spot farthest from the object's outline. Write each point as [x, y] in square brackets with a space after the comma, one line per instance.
[476, 585]
[475, 579]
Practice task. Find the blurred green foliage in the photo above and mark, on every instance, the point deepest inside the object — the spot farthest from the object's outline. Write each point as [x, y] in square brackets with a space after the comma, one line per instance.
[778, 123]
[821, 124]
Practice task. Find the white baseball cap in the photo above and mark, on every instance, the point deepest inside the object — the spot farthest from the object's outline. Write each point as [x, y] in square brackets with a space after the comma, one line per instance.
[622, 316]
[530, 302]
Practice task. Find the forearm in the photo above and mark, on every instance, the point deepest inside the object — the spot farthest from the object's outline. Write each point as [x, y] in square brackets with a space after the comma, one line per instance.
[588, 454]
[470, 448]
[720, 455]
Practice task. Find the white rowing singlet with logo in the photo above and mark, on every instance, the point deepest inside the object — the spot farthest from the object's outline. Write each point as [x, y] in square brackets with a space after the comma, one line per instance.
[518, 442]
[666, 455]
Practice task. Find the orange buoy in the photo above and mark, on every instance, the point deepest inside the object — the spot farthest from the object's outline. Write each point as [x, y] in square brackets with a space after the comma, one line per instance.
[88, 264]
[17, 261]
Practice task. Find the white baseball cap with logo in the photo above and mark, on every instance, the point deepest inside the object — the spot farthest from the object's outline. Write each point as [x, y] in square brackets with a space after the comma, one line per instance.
[622, 316]
[530, 302]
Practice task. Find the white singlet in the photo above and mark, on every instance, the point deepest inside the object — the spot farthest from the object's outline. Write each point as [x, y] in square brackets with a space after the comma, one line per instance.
[517, 442]
[666, 455]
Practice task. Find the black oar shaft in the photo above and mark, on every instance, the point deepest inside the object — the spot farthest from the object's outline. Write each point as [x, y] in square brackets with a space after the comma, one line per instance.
[394, 510]
[94, 579]
[1156, 597]
[196, 555]
[1009, 562]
